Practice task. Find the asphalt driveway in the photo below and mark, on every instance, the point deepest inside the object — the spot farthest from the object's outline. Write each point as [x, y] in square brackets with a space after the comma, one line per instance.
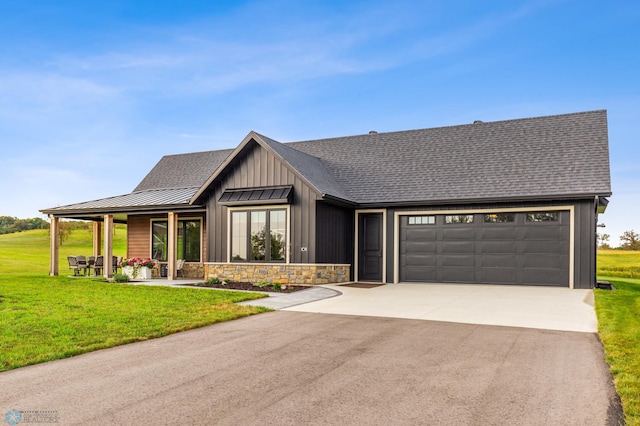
[296, 368]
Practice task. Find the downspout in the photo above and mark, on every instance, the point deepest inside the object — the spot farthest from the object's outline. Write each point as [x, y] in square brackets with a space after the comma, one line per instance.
[595, 242]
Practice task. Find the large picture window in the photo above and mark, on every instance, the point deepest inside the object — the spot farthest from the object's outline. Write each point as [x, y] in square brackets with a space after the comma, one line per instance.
[258, 235]
[189, 231]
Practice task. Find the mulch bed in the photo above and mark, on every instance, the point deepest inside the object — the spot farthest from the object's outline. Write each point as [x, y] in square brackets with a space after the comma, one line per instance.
[285, 288]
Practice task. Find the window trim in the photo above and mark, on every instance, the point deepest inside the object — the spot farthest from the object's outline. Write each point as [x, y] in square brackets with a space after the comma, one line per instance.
[180, 219]
[286, 207]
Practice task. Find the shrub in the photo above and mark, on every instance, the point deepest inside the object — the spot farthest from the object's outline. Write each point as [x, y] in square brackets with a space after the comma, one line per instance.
[214, 280]
[227, 281]
[121, 278]
[261, 283]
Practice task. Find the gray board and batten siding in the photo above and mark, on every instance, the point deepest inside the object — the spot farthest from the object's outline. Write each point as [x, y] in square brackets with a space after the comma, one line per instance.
[257, 167]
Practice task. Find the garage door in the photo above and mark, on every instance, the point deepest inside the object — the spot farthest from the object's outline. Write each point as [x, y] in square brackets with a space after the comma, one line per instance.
[521, 248]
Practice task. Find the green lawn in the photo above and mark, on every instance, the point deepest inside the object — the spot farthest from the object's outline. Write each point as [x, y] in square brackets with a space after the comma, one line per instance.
[44, 318]
[619, 325]
[28, 251]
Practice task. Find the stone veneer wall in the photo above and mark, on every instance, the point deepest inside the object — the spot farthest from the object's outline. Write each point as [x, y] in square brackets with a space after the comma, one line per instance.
[291, 273]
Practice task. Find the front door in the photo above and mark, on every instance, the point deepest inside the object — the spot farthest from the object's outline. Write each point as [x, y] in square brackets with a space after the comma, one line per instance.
[370, 247]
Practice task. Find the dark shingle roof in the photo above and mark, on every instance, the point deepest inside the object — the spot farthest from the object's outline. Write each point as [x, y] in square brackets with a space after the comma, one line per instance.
[311, 168]
[183, 170]
[543, 157]
[553, 156]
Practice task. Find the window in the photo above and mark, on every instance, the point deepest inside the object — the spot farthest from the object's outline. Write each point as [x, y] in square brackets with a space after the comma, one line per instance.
[159, 240]
[499, 217]
[463, 218]
[542, 217]
[258, 235]
[422, 220]
[189, 232]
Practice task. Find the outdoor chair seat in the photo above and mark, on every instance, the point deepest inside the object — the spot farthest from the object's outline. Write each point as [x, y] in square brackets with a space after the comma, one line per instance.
[73, 264]
[82, 264]
[98, 266]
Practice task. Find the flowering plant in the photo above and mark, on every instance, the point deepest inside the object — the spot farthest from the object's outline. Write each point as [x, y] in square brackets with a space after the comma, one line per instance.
[138, 262]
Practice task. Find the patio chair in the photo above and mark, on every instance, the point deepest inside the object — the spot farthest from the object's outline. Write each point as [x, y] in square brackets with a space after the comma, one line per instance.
[73, 264]
[82, 264]
[98, 266]
[180, 267]
[115, 263]
[91, 260]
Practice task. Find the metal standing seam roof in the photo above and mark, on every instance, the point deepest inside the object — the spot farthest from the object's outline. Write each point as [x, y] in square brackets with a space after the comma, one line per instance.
[542, 157]
[136, 199]
[265, 195]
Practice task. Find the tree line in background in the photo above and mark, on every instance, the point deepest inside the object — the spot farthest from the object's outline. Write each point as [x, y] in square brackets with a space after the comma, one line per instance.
[630, 241]
[9, 225]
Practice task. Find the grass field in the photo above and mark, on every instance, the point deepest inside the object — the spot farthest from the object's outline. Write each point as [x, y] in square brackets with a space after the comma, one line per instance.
[619, 325]
[618, 263]
[28, 252]
[44, 318]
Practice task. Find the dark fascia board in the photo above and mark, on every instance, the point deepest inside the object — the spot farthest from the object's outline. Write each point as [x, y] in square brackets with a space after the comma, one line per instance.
[252, 136]
[339, 201]
[567, 197]
[76, 213]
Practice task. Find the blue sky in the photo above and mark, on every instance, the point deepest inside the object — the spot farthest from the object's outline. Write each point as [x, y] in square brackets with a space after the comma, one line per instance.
[94, 93]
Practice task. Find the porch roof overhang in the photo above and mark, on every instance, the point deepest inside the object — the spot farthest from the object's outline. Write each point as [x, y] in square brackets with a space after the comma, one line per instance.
[157, 201]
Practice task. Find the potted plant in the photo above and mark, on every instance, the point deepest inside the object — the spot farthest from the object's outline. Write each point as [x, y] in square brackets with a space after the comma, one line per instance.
[137, 268]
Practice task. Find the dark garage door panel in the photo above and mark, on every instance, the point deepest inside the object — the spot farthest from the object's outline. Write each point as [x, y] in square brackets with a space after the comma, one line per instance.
[519, 252]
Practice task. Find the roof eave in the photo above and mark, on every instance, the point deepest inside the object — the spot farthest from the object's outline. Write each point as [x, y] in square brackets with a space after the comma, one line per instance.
[164, 208]
[440, 202]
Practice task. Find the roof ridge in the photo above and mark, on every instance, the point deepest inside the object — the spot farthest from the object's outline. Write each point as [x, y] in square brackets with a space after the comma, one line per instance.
[398, 132]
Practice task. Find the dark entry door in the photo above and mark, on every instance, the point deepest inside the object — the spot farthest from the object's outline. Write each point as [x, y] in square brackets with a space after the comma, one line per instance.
[370, 247]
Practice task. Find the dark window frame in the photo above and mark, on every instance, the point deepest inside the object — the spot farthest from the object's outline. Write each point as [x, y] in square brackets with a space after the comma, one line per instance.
[255, 248]
[182, 250]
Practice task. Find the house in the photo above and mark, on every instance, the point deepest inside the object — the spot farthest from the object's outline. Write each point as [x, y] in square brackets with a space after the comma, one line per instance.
[505, 202]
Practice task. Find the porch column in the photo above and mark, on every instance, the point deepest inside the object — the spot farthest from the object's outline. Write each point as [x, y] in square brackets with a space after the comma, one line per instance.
[97, 238]
[54, 245]
[108, 245]
[172, 240]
